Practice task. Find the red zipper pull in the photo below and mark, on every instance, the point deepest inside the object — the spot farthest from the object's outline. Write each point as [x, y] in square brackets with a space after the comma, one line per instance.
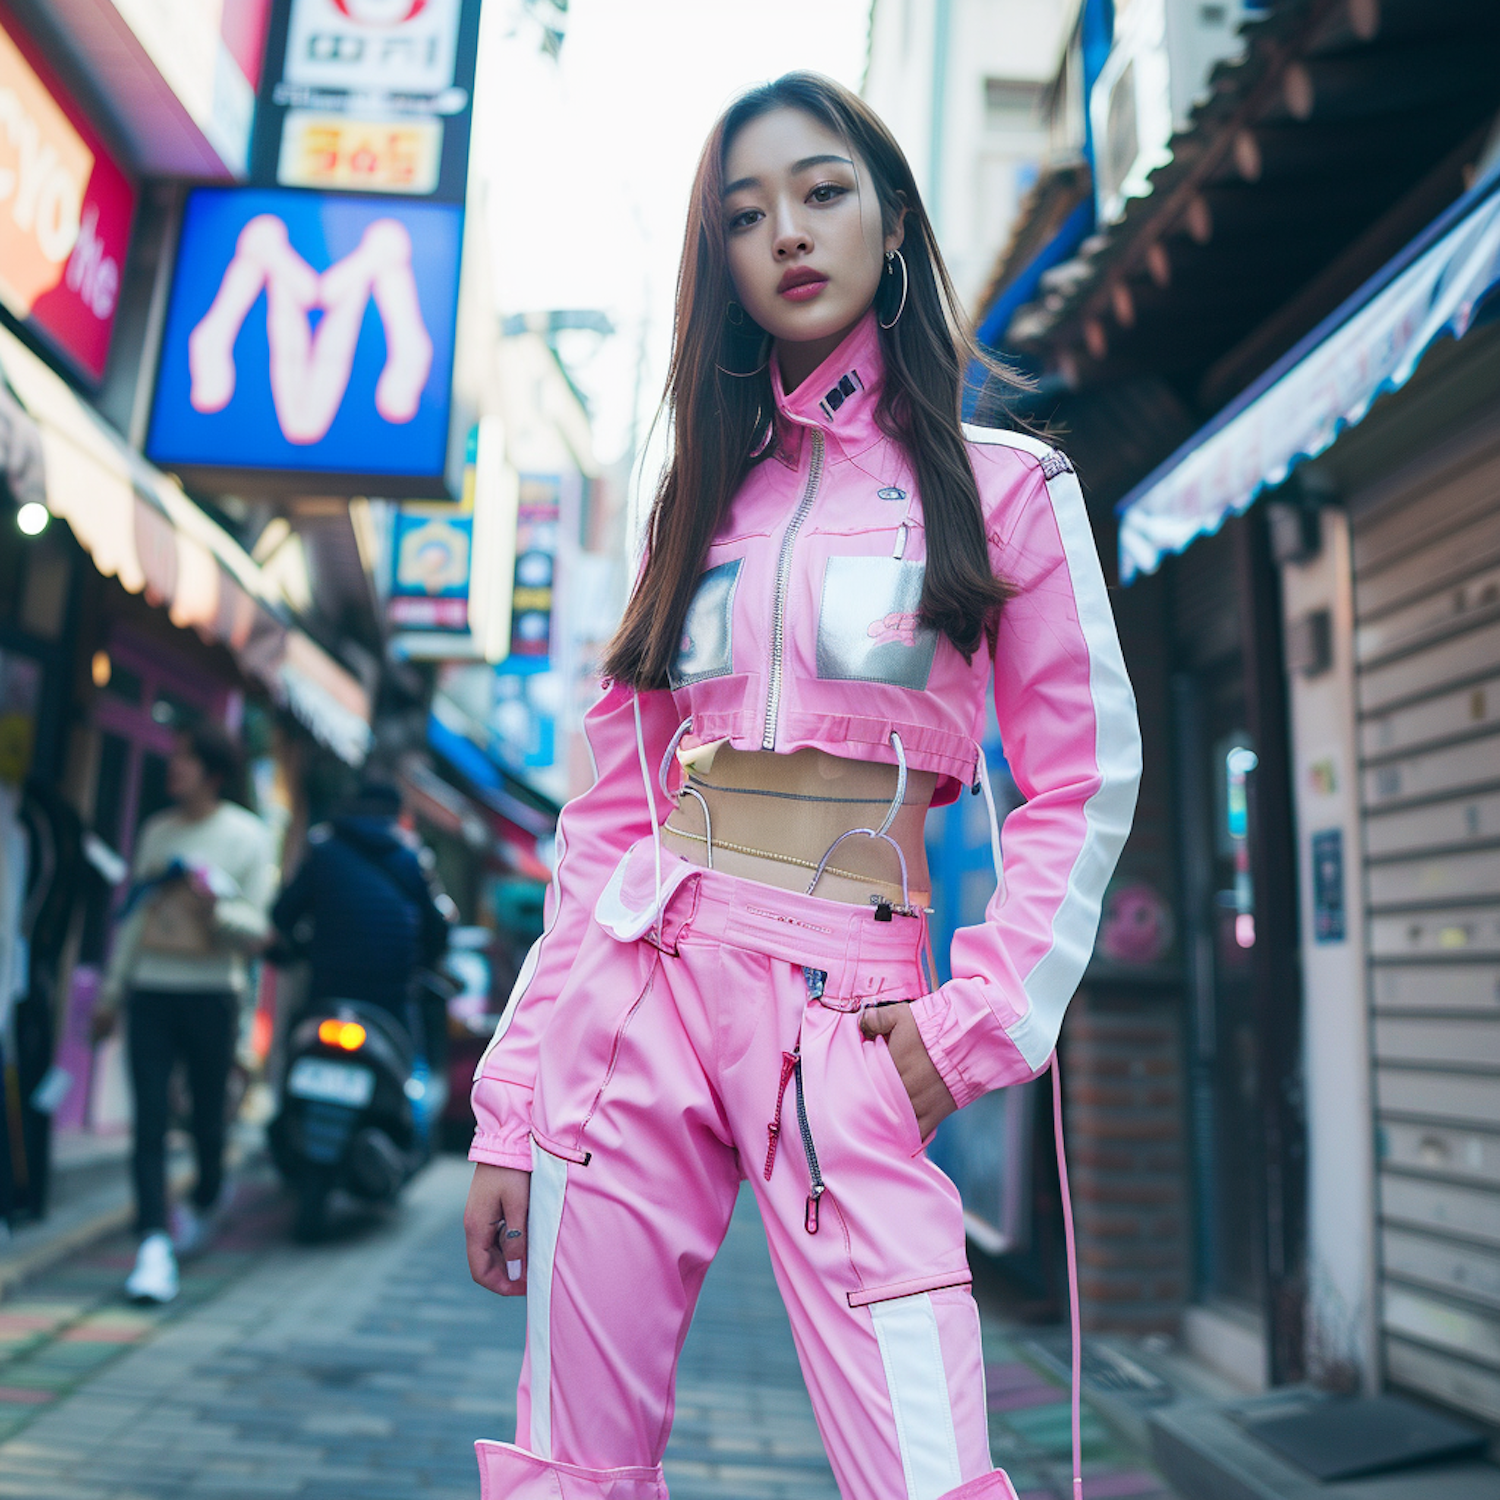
[810, 1217]
[773, 1130]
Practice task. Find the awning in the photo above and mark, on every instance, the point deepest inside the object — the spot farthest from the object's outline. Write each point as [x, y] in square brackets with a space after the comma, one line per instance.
[515, 847]
[442, 804]
[533, 814]
[1070, 234]
[138, 526]
[1435, 288]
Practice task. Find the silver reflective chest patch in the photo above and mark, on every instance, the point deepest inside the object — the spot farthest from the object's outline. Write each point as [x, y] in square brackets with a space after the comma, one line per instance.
[707, 648]
[868, 626]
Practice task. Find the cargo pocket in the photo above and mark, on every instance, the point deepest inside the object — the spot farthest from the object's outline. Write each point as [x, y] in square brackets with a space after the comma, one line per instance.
[581, 1047]
[869, 628]
[887, 1081]
[707, 648]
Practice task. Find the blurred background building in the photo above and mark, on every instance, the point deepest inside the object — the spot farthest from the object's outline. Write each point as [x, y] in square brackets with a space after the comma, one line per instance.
[1250, 283]
[271, 454]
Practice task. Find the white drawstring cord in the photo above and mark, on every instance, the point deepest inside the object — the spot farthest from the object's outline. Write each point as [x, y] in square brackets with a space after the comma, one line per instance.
[989, 802]
[883, 832]
[687, 791]
[640, 746]
[666, 760]
[1075, 1327]
[900, 797]
[708, 823]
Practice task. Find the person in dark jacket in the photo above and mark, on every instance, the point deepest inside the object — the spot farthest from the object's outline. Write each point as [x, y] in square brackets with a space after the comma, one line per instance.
[361, 908]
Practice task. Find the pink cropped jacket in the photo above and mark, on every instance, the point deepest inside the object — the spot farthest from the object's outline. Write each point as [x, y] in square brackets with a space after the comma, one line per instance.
[804, 631]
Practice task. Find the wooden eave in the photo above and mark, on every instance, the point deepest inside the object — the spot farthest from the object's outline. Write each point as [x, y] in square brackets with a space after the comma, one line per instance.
[1336, 111]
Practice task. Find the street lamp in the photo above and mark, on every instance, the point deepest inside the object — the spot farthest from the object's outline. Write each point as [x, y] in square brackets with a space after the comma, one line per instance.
[32, 518]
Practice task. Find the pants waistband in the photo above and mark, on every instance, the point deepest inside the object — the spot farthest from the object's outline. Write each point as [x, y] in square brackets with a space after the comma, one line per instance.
[858, 952]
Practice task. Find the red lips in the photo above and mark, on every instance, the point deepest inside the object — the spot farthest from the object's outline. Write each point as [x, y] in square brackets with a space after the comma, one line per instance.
[800, 276]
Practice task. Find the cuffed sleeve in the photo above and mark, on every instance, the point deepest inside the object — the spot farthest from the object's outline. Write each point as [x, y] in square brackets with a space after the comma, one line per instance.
[1068, 724]
[241, 920]
[503, 1110]
[593, 833]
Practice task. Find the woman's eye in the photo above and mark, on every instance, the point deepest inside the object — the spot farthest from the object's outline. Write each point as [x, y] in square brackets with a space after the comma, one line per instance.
[827, 192]
[744, 219]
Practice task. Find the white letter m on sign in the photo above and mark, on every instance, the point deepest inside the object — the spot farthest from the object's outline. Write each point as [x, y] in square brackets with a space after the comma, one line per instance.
[310, 369]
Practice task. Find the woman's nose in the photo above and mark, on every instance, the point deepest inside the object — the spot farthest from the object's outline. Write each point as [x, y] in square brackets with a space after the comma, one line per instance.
[791, 238]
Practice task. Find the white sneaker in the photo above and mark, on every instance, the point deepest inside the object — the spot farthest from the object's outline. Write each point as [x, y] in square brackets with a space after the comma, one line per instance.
[155, 1276]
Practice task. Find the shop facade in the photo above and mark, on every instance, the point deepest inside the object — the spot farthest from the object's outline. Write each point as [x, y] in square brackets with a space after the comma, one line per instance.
[1369, 457]
[126, 609]
[132, 615]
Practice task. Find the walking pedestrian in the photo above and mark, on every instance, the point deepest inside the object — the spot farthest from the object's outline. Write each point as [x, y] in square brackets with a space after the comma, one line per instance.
[202, 877]
[731, 983]
[363, 912]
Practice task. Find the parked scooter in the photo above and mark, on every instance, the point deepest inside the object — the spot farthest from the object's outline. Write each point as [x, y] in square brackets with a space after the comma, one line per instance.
[357, 1103]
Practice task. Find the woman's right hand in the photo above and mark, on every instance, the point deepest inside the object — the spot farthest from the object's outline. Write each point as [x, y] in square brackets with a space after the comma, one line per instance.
[495, 1228]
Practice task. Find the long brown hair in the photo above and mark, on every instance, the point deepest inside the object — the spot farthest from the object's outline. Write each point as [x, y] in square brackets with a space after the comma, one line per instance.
[722, 422]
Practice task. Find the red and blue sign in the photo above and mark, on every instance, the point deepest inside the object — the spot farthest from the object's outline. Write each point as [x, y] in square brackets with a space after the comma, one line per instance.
[309, 340]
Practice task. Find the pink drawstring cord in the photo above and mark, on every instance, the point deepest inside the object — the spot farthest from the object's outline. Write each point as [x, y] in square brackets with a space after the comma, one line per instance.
[1072, 1249]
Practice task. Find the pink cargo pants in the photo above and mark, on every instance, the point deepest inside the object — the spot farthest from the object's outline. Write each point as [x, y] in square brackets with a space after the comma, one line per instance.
[723, 1045]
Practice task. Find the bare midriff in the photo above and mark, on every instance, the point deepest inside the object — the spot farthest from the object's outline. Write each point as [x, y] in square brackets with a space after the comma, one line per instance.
[774, 817]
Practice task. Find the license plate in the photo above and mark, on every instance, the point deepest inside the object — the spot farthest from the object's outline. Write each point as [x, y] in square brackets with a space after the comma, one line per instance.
[337, 1083]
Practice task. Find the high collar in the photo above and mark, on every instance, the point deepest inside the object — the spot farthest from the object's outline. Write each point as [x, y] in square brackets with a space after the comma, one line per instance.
[841, 395]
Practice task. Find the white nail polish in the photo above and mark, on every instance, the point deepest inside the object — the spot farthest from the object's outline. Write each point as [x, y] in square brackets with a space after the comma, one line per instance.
[513, 1269]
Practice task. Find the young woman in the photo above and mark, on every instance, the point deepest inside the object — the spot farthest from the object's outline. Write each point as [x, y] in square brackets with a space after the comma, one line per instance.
[730, 985]
[203, 876]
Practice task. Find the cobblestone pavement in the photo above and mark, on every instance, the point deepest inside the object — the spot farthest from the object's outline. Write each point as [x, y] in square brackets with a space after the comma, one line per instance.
[364, 1368]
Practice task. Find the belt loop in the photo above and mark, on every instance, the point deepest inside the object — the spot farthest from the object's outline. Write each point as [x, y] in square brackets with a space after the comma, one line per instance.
[848, 980]
[676, 917]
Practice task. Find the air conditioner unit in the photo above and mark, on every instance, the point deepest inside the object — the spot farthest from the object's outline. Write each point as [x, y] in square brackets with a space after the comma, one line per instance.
[1158, 66]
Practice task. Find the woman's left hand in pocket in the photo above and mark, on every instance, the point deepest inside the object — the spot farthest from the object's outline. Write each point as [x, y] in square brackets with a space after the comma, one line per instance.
[930, 1100]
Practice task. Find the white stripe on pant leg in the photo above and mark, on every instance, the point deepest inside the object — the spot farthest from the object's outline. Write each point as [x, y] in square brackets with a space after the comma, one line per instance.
[549, 1182]
[907, 1330]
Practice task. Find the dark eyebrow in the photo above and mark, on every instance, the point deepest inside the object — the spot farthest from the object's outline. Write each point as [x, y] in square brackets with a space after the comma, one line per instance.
[740, 183]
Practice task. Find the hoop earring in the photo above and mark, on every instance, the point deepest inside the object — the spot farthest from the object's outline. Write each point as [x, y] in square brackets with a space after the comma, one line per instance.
[734, 314]
[891, 257]
[766, 347]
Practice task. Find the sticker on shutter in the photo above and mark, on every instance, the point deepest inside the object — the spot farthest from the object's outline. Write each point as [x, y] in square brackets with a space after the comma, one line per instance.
[707, 648]
[868, 625]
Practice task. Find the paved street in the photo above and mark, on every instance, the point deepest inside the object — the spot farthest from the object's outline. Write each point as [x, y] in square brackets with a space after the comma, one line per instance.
[366, 1367]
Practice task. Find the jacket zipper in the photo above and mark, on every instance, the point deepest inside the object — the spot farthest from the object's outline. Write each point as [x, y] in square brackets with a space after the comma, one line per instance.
[783, 582]
[816, 1186]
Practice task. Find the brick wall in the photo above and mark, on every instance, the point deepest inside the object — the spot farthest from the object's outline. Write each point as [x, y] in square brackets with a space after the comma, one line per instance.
[1123, 1104]
[1122, 1044]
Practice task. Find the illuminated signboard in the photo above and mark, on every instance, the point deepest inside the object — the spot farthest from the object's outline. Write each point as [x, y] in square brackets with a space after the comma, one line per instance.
[372, 46]
[371, 95]
[309, 341]
[371, 156]
[65, 212]
[536, 559]
[430, 554]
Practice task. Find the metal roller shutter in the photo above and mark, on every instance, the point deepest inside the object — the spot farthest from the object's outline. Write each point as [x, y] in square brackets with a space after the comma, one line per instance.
[1427, 648]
